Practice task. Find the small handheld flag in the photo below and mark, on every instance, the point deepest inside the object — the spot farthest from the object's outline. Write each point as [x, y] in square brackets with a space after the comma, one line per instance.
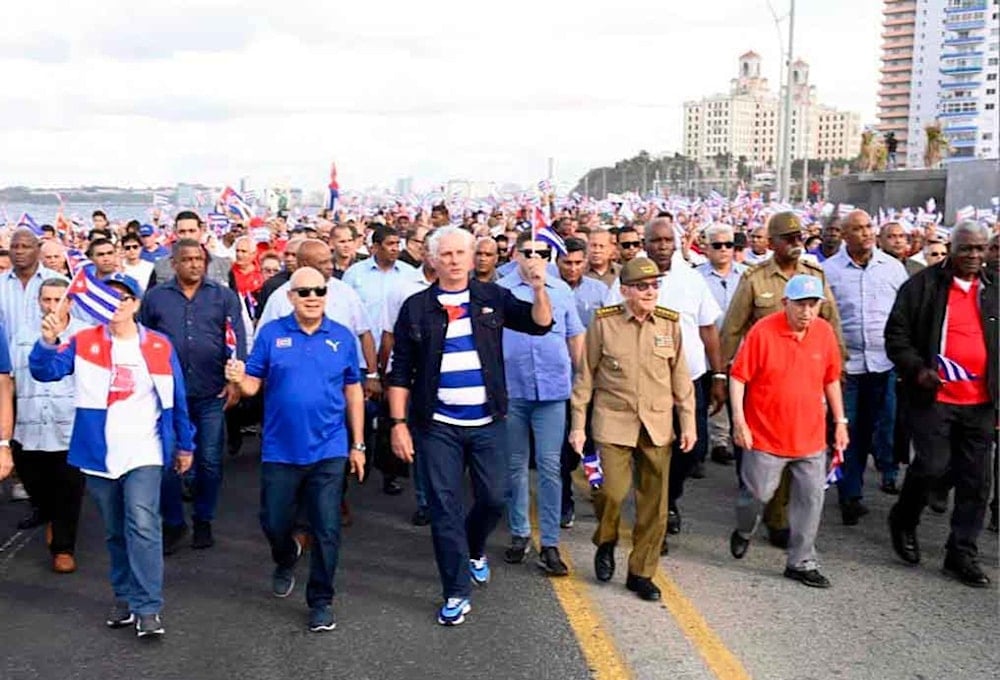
[94, 296]
[834, 474]
[592, 468]
[541, 231]
[230, 338]
[952, 371]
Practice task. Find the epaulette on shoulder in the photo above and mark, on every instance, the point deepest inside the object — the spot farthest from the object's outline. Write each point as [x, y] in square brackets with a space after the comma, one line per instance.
[751, 269]
[665, 313]
[610, 310]
[811, 265]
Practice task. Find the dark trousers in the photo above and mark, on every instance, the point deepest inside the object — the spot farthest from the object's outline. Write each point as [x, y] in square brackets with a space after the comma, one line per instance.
[56, 489]
[953, 440]
[319, 487]
[377, 431]
[865, 397]
[446, 450]
[681, 463]
[209, 424]
[570, 459]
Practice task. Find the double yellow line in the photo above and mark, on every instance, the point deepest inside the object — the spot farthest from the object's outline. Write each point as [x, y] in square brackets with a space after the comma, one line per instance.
[603, 657]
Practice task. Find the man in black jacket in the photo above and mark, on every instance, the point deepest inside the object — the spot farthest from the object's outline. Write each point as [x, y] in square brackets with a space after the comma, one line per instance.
[942, 337]
[448, 353]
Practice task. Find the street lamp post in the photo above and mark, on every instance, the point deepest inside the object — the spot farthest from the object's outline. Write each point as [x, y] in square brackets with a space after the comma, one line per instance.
[785, 186]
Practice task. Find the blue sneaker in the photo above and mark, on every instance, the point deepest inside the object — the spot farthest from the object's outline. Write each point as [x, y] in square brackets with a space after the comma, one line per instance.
[282, 581]
[453, 611]
[480, 570]
[321, 619]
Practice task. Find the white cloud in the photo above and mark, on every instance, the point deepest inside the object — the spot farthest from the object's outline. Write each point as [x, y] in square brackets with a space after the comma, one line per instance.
[146, 92]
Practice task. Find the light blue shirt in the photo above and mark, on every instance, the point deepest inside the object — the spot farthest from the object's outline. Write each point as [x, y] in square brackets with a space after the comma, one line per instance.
[19, 303]
[723, 287]
[589, 295]
[373, 285]
[538, 367]
[508, 268]
[864, 297]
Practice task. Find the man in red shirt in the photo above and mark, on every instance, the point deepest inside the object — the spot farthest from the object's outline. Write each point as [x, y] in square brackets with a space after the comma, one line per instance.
[942, 337]
[783, 377]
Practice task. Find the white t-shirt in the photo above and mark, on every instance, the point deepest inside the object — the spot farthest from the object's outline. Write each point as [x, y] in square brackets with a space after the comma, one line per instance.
[133, 411]
[140, 271]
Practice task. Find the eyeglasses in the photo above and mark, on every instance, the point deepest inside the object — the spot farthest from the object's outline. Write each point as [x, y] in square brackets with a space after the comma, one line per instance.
[541, 254]
[306, 291]
[643, 286]
[415, 240]
[131, 246]
[936, 254]
[630, 244]
[719, 245]
[127, 298]
[269, 270]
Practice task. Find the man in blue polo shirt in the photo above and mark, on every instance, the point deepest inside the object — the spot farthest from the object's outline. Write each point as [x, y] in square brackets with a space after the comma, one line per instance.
[309, 367]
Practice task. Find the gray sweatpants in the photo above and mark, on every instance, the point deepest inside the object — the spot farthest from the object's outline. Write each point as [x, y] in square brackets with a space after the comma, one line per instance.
[761, 473]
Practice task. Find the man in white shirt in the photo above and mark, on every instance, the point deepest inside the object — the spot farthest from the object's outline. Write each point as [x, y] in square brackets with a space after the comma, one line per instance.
[132, 263]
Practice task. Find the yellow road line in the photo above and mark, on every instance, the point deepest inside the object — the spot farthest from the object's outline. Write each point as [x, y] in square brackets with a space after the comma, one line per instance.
[720, 661]
[603, 657]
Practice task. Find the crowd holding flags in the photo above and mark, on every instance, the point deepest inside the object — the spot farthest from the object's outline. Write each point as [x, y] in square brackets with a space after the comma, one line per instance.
[94, 296]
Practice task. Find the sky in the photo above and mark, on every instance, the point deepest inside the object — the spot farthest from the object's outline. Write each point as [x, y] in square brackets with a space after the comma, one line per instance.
[139, 93]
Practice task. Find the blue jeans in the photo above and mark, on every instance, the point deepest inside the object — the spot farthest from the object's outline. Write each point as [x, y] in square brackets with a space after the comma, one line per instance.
[547, 420]
[446, 450]
[209, 422]
[681, 464]
[419, 476]
[864, 405]
[130, 508]
[885, 433]
[319, 487]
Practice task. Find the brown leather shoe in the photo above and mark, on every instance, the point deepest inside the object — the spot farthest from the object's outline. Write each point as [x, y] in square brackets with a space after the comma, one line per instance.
[48, 534]
[63, 563]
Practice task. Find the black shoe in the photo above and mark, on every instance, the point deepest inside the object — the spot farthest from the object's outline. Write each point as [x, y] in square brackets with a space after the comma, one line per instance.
[779, 537]
[567, 518]
[604, 562]
[201, 537]
[698, 471]
[889, 487]
[965, 570]
[421, 518]
[673, 521]
[738, 545]
[904, 541]
[722, 456]
[937, 501]
[664, 548]
[993, 522]
[172, 537]
[391, 487]
[31, 520]
[550, 562]
[517, 553]
[643, 587]
[808, 577]
[852, 510]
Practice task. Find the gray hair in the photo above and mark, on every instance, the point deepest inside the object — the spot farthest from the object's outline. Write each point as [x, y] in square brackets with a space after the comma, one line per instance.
[967, 227]
[434, 242]
[717, 229]
[53, 282]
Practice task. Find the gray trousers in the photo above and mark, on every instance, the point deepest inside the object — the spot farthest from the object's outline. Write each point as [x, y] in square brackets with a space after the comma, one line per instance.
[761, 473]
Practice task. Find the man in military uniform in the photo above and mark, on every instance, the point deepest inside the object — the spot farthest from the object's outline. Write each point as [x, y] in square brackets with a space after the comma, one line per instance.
[635, 372]
[758, 295]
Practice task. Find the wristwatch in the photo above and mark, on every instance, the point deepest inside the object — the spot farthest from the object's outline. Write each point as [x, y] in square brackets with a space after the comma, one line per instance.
[360, 446]
[4, 443]
[720, 376]
[841, 421]
[397, 421]
[372, 376]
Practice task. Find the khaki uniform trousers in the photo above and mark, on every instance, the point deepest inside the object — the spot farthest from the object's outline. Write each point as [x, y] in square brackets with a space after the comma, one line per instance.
[653, 468]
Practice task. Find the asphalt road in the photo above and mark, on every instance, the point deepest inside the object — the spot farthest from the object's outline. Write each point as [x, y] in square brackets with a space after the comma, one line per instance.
[720, 618]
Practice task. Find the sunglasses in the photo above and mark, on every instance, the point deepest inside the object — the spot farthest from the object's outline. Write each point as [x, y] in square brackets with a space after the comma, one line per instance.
[127, 298]
[719, 245]
[131, 246]
[539, 254]
[643, 286]
[306, 291]
[630, 244]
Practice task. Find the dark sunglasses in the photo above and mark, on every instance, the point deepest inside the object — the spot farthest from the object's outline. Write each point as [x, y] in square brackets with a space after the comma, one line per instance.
[719, 245]
[132, 246]
[540, 254]
[643, 286]
[306, 291]
[630, 244]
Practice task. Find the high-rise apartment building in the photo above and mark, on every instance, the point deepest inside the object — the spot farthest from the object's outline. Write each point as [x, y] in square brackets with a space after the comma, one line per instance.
[747, 121]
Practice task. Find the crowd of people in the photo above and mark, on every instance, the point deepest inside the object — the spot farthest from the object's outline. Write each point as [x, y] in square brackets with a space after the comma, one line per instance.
[648, 342]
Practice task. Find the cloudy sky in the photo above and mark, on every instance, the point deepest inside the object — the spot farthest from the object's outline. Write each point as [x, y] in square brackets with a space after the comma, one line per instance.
[138, 93]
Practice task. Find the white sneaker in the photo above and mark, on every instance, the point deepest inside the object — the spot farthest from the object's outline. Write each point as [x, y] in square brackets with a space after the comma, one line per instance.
[19, 493]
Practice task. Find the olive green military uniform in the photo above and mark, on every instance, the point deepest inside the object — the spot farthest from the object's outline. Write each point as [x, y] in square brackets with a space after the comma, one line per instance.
[759, 294]
[608, 277]
[636, 374]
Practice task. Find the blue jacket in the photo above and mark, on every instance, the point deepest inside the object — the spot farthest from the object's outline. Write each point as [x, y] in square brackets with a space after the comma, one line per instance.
[87, 355]
[418, 344]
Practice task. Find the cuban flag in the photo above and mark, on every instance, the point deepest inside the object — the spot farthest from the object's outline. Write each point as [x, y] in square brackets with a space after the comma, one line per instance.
[160, 200]
[75, 260]
[834, 473]
[218, 221]
[28, 221]
[230, 338]
[541, 231]
[952, 371]
[334, 187]
[593, 470]
[966, 213]
[232, 202]
[93, 295]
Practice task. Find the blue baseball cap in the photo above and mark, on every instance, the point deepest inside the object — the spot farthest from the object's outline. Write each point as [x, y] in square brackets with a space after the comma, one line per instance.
[125, 280]
[147, 230]
[804, 287]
